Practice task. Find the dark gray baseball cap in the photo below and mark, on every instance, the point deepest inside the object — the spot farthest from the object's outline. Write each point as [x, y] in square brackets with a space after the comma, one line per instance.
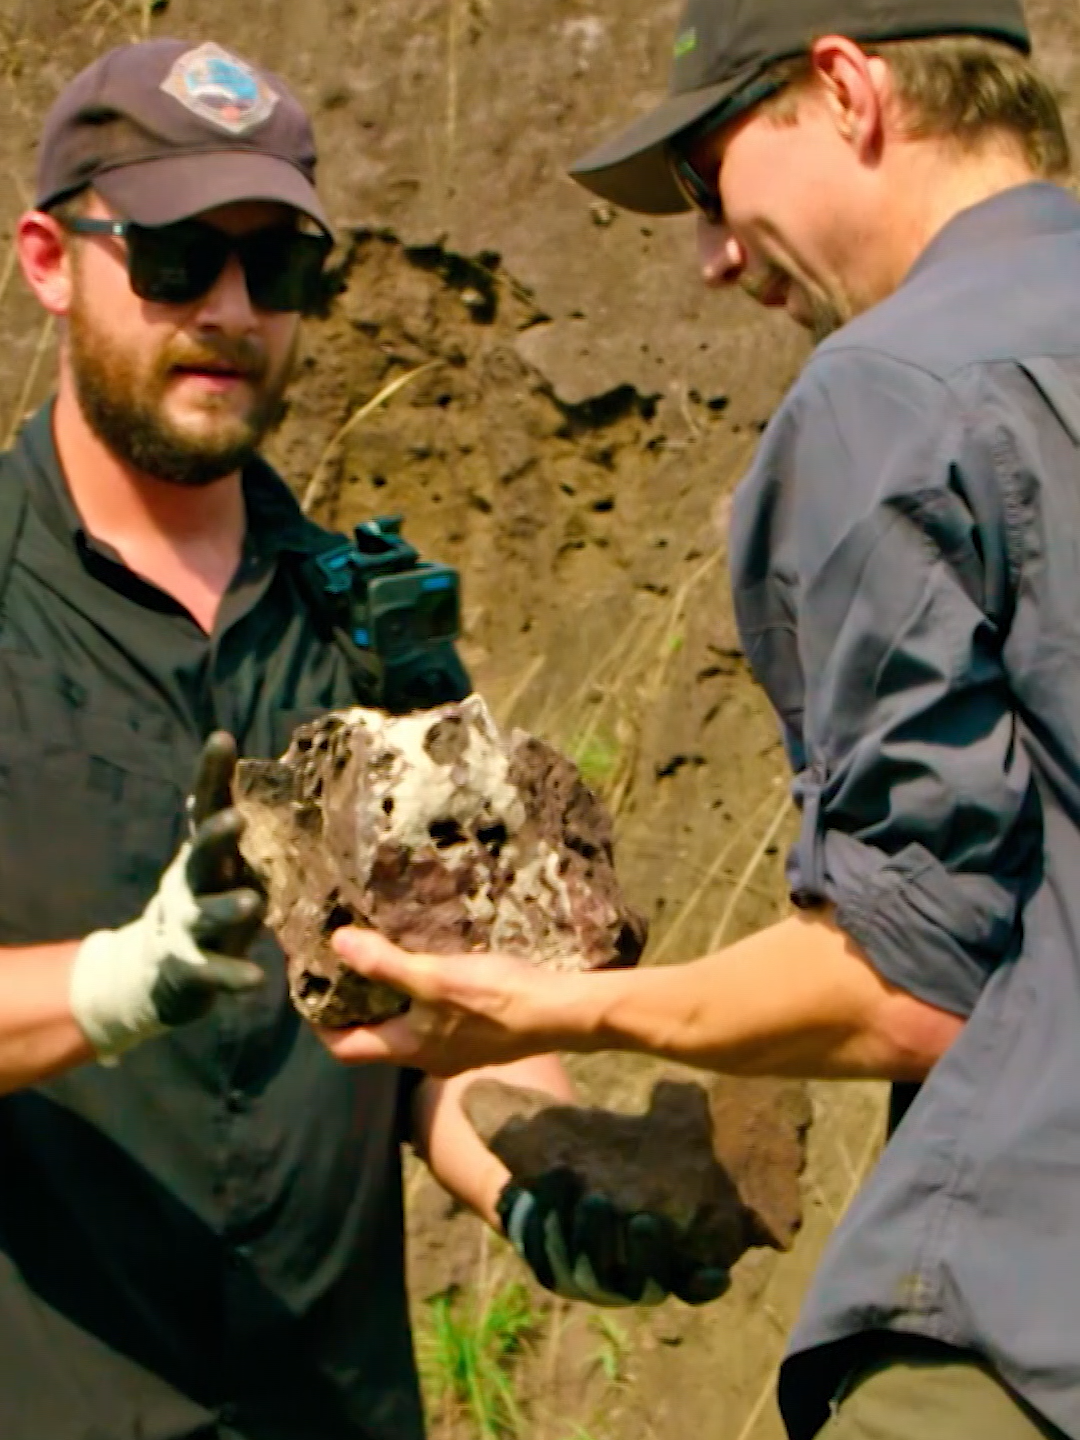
[164, 129]
[722, 46]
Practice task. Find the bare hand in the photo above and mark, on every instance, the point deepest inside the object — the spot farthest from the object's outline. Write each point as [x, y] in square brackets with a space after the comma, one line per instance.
[467, 1010]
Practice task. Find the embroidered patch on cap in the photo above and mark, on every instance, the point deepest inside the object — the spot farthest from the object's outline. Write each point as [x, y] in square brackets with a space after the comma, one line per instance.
[220, 89]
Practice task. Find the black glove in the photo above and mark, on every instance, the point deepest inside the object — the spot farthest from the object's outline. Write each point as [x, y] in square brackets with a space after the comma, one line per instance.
[583, 1248]
[169, 966]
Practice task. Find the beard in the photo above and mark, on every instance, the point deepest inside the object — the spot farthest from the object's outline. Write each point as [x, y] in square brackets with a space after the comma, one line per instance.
[122, 398]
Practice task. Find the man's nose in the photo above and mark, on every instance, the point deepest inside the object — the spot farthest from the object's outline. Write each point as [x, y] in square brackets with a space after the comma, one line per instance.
[722, 258]
[227, 305]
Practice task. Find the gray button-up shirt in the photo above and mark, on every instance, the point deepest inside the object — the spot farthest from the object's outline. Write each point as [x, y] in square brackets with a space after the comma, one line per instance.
[906, 565]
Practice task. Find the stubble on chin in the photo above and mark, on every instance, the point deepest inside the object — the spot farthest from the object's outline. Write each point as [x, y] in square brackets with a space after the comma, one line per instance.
[826, 314]
[123, 398]
[825, 320]
[817, 314]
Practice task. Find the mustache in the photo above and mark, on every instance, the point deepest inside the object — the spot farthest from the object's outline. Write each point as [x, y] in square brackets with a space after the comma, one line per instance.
[240, 353]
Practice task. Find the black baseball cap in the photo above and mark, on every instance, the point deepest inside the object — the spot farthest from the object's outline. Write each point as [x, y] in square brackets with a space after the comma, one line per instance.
[723, 46]
[164, 129]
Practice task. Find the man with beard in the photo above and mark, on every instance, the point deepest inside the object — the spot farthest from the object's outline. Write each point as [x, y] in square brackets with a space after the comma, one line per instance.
[904, 558]
[200, 1236]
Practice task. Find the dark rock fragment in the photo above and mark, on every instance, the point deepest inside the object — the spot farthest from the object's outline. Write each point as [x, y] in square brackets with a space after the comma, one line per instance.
[720, 1158]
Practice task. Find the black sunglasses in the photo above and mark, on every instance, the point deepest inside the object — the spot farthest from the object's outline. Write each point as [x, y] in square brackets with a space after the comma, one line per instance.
[176, 264]
[700, 192]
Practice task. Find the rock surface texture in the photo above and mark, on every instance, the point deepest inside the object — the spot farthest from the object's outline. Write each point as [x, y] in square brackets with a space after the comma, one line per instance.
[440, 833]
[721, 1158]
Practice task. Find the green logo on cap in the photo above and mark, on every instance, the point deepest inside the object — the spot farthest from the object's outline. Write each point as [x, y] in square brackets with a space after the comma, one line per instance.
[685, 42]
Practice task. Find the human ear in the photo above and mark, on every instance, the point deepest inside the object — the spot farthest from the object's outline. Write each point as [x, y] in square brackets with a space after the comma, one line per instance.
[849, 82]
[45, 260]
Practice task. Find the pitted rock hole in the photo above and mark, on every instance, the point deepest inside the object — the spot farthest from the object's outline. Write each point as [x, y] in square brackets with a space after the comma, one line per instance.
[493, 838]
[337, 919]
[446, 834]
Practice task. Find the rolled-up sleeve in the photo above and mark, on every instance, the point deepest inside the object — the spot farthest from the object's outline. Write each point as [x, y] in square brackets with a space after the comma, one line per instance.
[920, 819]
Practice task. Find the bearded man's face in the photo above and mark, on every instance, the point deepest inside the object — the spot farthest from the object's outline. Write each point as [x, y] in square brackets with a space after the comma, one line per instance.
[184, 393]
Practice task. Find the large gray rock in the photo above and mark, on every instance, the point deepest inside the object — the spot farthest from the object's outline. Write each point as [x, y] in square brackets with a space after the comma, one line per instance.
[440, 833]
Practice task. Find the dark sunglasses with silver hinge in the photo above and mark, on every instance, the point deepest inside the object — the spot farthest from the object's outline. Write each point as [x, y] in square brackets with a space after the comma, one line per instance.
[699, 191]
[176, 264]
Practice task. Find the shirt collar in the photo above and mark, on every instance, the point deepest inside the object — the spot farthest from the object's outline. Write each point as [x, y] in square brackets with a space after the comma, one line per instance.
[46, 484]
[275, 522]
[1020, 213]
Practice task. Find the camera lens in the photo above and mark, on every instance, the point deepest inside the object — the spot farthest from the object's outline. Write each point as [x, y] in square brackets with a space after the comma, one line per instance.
[395, 628]
[436, 615]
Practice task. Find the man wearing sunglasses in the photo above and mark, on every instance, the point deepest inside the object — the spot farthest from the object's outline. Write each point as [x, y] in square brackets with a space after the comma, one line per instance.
[904, 558]
[201, 1235]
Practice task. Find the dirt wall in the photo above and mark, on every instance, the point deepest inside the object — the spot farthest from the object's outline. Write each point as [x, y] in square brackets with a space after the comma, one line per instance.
[573, 412]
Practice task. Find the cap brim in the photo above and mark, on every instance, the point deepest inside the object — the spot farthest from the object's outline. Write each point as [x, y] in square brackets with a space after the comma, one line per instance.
[175, 187]
[632, 169]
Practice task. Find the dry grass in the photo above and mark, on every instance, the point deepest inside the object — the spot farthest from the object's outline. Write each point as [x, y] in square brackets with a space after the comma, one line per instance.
[453, 62]
[605, 713]
[317, 490]
[11, 261]
[699, 895]
[857, 1172]
[41, 349]
[506, 707]
[723, 929]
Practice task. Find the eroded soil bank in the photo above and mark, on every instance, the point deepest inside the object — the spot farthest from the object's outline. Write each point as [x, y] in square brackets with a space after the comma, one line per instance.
[573, 414]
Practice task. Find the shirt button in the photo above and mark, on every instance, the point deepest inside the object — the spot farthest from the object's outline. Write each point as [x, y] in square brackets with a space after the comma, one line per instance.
[235, 1101]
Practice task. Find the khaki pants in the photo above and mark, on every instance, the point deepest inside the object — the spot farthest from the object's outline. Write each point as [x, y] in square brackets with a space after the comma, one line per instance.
[920, 1390]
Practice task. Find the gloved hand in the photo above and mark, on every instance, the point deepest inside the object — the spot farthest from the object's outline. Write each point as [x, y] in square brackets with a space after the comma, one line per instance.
[583, 1248]
[170, 965]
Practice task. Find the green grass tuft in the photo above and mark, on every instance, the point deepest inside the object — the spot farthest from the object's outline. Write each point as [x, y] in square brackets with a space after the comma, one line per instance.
[613, 1347]
[466, 1353]
[597, 757]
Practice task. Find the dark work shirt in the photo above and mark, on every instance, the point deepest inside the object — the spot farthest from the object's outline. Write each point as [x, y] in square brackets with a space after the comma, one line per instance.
[206, 1240]
[906, 564]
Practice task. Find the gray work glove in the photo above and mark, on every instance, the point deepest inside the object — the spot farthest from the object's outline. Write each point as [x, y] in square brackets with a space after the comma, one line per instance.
[583, 1247]
[170, 965]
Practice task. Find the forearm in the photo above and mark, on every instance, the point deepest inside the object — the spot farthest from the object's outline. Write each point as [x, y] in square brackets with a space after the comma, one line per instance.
[454, 1153]
[38, 1033]
[797, 999]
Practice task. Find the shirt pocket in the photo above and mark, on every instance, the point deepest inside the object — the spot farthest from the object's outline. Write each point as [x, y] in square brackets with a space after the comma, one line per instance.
[90, 809]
